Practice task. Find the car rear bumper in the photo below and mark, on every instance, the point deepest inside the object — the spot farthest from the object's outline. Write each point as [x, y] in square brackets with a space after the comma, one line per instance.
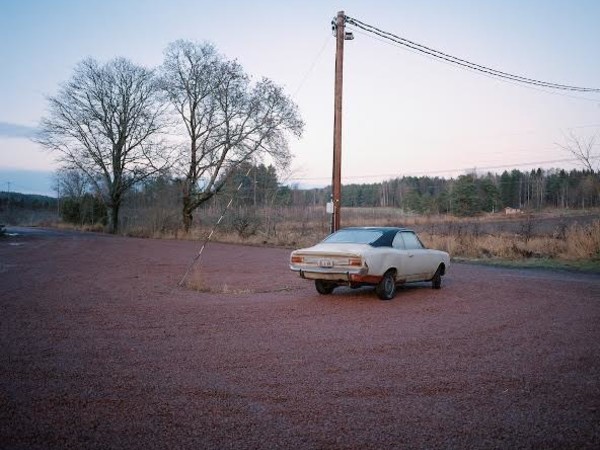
[347, 276]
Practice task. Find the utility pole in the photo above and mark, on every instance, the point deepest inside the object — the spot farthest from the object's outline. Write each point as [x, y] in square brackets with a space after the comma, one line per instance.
[339, 27]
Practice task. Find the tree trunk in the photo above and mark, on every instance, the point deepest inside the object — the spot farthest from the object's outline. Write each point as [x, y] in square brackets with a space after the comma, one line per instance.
[113, 217]
[187, 210]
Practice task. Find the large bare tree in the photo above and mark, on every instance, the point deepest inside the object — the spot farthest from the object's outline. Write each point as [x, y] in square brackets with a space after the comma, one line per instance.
[106, 121]
[227, 118]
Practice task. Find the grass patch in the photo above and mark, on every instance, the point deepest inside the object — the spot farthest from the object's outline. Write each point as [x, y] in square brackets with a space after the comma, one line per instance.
[560, 239]
[538, 240]
[592, 266]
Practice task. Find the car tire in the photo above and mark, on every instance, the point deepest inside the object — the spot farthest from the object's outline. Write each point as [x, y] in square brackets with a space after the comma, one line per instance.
[436, 281]
[386, 288]
[323, 287]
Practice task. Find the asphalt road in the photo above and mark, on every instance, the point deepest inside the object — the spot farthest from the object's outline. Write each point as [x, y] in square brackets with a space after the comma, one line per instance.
[99, 348]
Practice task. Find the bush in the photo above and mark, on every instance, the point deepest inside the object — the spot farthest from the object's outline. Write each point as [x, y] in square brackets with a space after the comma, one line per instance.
[87, 210]
[246, 224]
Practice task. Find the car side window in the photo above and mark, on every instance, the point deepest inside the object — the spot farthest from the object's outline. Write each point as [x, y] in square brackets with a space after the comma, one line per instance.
[398, 242]
[411, 241]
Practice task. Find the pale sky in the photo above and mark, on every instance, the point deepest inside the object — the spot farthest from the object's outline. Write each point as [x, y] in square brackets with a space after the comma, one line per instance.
[404, 114]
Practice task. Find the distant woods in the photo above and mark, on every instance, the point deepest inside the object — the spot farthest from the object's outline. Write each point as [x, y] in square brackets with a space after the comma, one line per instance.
[467, 195]
[472, 194]
[158, 199]
[153, 206]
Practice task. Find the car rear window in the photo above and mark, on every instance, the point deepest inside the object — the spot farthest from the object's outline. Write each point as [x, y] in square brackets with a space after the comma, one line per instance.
[353, 237]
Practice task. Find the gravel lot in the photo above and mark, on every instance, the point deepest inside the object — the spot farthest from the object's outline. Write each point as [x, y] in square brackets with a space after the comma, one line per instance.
[99, 348]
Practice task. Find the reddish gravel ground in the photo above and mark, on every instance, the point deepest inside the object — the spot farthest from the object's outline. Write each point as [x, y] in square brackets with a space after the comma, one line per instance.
[101, 349]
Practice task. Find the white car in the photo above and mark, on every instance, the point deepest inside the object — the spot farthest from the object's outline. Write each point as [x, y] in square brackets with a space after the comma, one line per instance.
[383, 257]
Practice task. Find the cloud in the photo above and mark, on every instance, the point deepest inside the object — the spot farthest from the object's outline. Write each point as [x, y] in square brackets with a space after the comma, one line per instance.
[13, 130]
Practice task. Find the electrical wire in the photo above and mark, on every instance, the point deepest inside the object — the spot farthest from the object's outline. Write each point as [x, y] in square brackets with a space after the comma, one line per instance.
[463, 62]
[312, 66]
[504, 80]
[427, 172]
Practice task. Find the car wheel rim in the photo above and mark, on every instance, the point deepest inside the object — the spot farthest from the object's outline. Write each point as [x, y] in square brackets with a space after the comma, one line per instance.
[389, 286]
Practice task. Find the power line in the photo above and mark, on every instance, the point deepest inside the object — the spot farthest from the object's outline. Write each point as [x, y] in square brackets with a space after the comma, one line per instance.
[427, 172]
[463, 62]
[312, 66]
[504, 80]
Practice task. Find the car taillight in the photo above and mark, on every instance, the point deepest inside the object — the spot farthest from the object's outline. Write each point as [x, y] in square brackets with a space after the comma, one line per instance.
[297, 259]
[357, 262]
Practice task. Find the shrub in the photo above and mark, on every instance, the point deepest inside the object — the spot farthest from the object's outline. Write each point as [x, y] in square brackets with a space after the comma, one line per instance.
[87, 210]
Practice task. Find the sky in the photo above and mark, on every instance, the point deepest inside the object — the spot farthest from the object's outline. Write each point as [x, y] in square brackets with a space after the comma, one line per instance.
[403, 113]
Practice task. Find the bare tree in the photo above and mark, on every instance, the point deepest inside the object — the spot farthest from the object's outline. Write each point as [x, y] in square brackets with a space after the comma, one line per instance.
[71, 183]
[228, 119]
[107, 122]
[583, 148]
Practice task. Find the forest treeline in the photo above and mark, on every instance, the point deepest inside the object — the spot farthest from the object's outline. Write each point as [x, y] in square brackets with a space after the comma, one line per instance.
[19, 201]
[466, 195]
[260, 187]
[26, 209]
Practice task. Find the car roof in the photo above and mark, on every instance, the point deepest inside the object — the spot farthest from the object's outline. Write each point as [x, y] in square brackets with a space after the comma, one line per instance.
[382, 229]
[387, 236]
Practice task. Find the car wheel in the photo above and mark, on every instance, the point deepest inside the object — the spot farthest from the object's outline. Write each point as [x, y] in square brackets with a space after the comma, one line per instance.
[323, 287]
[386, 288]
[436, 281]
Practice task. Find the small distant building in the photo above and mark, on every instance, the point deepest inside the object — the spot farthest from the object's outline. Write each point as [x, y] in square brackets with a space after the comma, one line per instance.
[511, 211]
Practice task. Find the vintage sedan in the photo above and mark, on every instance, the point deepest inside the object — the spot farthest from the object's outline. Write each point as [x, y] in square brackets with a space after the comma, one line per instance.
[383, 257]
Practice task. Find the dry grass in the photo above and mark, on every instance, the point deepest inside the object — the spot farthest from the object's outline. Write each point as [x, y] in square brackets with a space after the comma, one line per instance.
[459, 237]
[552, 235]
[197, 282]
[97, 227]
[581, 242]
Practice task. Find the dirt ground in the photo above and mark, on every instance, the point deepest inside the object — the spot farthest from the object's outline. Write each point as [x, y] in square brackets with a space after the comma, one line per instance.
[99, 348]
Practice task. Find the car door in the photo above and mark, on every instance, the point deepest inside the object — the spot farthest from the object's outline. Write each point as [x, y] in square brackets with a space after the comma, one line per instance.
[403, 259]
[417, 259]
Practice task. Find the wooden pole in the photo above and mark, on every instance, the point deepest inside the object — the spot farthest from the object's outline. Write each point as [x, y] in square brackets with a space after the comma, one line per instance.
[336, 185]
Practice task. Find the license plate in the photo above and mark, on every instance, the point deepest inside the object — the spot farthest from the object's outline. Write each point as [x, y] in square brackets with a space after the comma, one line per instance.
[325, 263]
